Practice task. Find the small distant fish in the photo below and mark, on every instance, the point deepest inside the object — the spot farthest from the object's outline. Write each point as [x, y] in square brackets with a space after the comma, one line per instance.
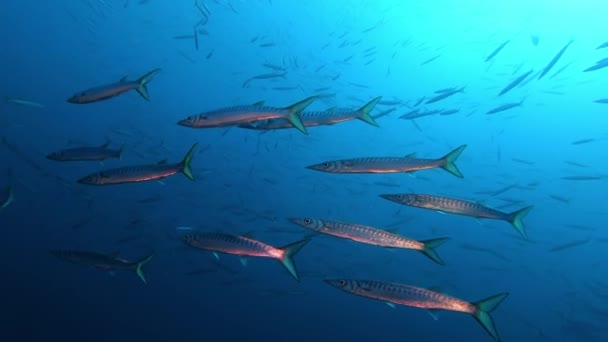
[430, 60]
[141, 173]
[265, 45]
[7, 197]
[246, 247]
[237, 115]
[522, 161]
[575, 163]
[461, 207]
[449, 112]
[104, 261]
[560, 199]
[404, 164]
[497, 50]
[87, 153]
[444, 95]
[582, 178]
[569, 245]
[603, 45]
[598, 65]
[371, 236]
[554, 60]
[583, 141]
[23, 102]
[111, 90]
[418, 297]
[504, 107]
[601, 101]
[264, 77]
[515, 82]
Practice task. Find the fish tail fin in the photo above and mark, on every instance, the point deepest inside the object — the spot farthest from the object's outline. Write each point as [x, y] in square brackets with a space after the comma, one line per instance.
[293, 113]
[139, 267]
[482, 313]
[11, 197]
[142, 81]
[447, 162]
[429, 249]
[288, 253]
[366, 110]
[516, 219]
[186, 170]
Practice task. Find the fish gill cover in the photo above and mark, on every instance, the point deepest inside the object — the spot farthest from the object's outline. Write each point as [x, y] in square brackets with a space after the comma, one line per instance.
[296, 170]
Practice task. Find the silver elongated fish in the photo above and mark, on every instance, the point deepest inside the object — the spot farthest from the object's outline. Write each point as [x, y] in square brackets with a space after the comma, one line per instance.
[371, 236]
[461, 207]
[505, 106]
[408, 163]
[515, 82]
[497, 50]
[7, 197]
[104, 261]
[319, 118]
[445, 95]
[554, 60]
[111, 90]
[87, 153]
[141, 173]
[246, 247]
[237, 115]
[419, 297]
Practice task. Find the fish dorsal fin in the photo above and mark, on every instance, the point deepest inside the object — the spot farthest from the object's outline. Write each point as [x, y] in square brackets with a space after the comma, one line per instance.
[392, 230]
[258, 104]
[411, 155]
[162, 162]
[482, 203]
[105, 144]
[331, 109]
[123, 79]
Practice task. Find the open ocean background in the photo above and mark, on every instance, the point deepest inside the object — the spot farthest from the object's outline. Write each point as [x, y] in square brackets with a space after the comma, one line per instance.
[550, 152]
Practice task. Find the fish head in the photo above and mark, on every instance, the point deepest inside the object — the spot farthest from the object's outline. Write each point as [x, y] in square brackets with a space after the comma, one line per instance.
[308, 223]
[81, 97]
[343, 284]
[58, 156]
[200, 121]
[328, 166]
[407, 199]
[98, 178]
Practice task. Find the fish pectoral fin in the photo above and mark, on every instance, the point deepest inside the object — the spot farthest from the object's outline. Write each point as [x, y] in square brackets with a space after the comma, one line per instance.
[244, 261]
[391, 305]
[411, 155]
[217, 256]
[434, 313]
[441, 212]
[162, 162]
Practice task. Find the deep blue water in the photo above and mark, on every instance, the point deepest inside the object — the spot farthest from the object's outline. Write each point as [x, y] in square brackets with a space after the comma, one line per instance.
[550, 152]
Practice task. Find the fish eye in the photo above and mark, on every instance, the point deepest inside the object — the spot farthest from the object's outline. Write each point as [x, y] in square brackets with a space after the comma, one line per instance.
[326, 164]
[399, 196]
[307, 221]
[342, 282]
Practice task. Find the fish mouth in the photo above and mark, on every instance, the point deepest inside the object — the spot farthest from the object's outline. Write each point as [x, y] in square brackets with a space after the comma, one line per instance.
[315, 167]
[387, 197]
[183, 123]
[72, 99]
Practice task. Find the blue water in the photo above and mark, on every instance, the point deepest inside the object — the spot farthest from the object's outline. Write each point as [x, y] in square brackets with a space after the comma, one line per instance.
[249, 182]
